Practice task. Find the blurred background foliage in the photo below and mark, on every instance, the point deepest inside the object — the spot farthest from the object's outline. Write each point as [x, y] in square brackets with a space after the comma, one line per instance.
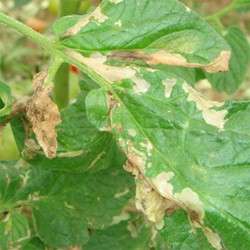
[20, 59]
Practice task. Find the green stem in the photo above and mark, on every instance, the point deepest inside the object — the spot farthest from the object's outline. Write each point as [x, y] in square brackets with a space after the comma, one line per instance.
[46, 43]
[36, 37]
[55, 64]
[86, 70]
[61, 81]
[223, 12]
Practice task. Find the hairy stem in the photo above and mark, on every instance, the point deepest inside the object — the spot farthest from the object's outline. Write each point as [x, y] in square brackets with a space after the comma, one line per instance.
[36, 37]
[49, 46]
[54, 65]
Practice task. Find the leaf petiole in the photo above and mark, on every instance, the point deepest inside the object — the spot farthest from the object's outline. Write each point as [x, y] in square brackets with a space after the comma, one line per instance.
[51, 47]
[36, 37]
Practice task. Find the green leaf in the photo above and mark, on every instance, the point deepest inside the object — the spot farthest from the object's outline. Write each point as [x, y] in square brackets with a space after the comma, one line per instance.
[157, 32]
[5, 99]
[69, 7]
[76, 201]
[187, 153]
[81, 147]
[97, 197]
[76, 132]
[34, 244]
[193, 151]
[10, 182]
[14, 231]
[242, 5]
[61, 196]
[118, 237]
[231, 80]
[69, 204]
[64, 203]
[179, 235]
[14, 225]
[59, 225]
[97, 109]
[187, 74]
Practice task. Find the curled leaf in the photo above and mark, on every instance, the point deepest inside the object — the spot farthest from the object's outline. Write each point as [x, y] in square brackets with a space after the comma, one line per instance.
[44, 116]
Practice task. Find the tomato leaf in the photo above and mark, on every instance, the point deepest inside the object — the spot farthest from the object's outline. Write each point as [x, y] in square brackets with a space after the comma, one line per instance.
[97, 109]
[14, 231]
[190, 149]
[119, 237]
[179, 235]
[157, 32]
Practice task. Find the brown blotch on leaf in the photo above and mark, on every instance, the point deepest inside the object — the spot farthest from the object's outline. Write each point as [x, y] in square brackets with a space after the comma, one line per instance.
[219, 64]
[44, 116]
[148, 198]
[96, 15]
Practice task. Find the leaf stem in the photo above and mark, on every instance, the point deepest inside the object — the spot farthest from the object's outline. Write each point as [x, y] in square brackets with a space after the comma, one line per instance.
[45, 43]
[85, 69]
[54, 65]
[36, 37]
[61, 81]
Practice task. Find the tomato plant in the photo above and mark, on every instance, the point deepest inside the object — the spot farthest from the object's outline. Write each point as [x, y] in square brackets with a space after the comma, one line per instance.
[141, 159]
